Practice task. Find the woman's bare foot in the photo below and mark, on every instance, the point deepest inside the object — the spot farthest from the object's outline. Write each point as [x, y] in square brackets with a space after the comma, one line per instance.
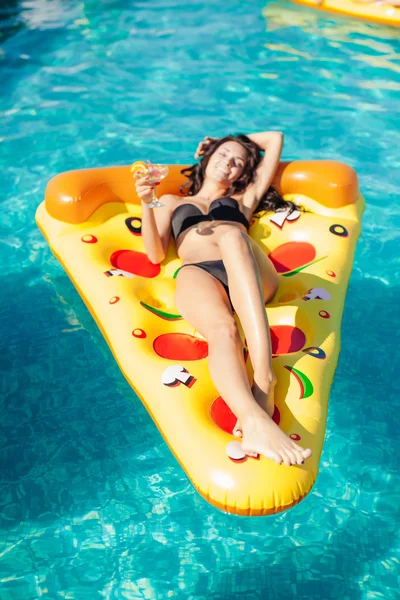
[262, 436]
[265, 399]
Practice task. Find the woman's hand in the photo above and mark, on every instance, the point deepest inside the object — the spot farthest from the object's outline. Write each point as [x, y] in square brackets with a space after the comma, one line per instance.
[144, 189]
[202, 147]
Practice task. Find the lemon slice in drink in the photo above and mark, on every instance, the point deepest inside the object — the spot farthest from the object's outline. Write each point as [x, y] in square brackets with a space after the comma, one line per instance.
[139, 167]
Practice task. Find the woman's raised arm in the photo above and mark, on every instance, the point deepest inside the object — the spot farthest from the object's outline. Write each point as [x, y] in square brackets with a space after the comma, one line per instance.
[271, 142]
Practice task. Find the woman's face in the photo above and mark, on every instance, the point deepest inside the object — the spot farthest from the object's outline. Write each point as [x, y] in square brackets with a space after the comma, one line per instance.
[227, 163]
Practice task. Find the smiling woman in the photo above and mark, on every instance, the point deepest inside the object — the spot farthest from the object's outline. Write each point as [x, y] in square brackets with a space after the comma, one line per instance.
[222, 267]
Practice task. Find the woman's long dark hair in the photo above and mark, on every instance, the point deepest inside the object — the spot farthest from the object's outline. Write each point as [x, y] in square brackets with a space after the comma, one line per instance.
[271, 201]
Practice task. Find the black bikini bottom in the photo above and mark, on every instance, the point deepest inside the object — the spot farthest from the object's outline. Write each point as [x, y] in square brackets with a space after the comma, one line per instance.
[216, 268]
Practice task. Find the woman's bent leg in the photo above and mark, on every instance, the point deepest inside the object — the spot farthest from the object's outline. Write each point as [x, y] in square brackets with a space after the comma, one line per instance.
[202, 301]
[260, 433]
[247, 294]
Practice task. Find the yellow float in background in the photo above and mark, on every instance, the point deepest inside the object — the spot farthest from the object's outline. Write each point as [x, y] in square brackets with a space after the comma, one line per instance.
[92, 222]
[374, 11]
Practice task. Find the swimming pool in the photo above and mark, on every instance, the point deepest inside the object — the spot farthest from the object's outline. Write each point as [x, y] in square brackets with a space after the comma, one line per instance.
[92, 503]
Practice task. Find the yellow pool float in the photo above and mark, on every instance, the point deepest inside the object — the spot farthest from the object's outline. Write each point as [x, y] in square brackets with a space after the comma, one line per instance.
[92, 222]
[371, 11]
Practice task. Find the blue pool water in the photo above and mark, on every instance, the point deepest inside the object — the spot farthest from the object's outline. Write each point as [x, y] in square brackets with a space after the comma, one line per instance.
[92, 503]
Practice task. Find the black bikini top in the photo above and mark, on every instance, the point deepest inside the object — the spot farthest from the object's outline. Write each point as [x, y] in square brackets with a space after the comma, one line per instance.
[221, 209]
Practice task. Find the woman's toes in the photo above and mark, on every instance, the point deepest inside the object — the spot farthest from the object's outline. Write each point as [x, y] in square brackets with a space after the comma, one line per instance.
[285, 458]
[298, 454]
[292, 456]
[252, 454]
[301, 452]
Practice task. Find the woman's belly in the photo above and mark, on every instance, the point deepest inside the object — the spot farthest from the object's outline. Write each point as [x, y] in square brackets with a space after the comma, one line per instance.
[201, 242]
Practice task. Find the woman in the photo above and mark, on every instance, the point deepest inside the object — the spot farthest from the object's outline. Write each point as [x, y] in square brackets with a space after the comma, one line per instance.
[225, 270]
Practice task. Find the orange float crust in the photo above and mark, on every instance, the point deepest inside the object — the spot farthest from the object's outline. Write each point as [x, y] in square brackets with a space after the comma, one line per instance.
[74, 196]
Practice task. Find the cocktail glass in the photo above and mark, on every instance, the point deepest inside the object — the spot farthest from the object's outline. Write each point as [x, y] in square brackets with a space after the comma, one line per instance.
[156, 173]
